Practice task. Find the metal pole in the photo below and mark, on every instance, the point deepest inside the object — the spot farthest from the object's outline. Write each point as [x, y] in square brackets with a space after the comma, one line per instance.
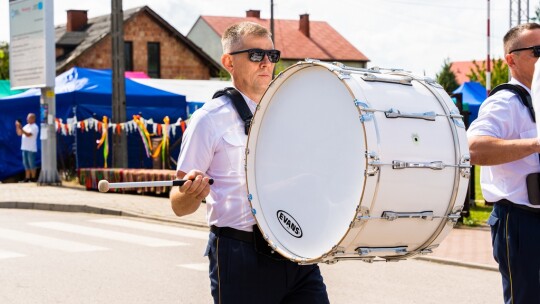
[119, 146]
[488, 63]
[49, 171]
[272, 30]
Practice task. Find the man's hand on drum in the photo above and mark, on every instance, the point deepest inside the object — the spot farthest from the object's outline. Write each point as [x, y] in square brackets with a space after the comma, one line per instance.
[196, 186]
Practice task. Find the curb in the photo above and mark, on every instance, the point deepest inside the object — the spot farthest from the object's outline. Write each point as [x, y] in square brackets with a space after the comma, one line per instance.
[95, 210]
[59, 208]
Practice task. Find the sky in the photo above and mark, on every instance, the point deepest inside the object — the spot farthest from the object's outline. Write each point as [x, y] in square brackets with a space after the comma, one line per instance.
[414, 35]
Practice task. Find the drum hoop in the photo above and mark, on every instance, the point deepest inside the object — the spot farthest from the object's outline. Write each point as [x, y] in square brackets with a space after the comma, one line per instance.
[260, 110]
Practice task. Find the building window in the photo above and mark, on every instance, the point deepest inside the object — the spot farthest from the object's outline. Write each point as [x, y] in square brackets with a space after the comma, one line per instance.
[128, 55]
[154, 60]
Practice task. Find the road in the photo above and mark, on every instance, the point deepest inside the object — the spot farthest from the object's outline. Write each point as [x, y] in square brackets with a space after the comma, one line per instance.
[50, 257]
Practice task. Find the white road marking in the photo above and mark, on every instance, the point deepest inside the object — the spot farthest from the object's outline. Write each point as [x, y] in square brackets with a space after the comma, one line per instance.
[48, 242]
[198, 267]
[154, 228]
[107, 234]
[9, 254]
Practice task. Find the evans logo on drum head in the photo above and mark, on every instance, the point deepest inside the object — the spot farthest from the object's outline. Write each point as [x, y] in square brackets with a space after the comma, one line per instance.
[289, 223]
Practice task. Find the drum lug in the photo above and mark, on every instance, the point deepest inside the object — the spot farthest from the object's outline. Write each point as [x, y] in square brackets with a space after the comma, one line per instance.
[394, 113]
[428, 250]
[455, 215]
[434, 165]
[457, 118]
[309, 61]
[373, 163]
[339, 64]
[361, 104]
[343, 74]
[465, 165]
[376, 251]
[336, 250]
[390, 215]
[432, 82]
[401, 79]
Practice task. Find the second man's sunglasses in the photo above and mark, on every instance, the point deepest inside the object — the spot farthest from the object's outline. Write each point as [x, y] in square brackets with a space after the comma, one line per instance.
[257, 55]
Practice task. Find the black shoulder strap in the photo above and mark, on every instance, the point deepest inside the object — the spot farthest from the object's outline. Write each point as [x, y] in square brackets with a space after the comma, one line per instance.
[239, 103]
[524, 96]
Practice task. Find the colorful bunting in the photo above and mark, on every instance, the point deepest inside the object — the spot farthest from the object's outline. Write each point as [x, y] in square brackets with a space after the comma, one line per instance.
[103, 127]
[137, 124]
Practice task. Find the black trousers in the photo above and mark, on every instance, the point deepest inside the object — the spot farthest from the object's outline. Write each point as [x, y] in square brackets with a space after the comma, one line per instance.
[515, 236]
[240, 274]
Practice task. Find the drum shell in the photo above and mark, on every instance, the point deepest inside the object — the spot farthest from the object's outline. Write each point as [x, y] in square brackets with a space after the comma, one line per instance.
[339, 205]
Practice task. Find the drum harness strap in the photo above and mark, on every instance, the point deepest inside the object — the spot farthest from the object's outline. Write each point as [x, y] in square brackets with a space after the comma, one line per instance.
[523, 95]
[239, 103]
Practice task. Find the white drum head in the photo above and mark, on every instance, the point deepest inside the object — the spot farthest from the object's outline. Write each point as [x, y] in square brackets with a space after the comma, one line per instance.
[305, 164]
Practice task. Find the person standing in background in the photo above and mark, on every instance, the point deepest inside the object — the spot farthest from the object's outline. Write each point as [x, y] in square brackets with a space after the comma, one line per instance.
[28, 146]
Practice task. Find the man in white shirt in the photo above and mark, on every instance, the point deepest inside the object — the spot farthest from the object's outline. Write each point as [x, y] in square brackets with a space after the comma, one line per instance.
[28, 146]
[503, 140]
[241, 270]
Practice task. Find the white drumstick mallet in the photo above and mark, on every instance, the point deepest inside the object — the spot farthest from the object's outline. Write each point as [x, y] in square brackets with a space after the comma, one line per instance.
[104, 185]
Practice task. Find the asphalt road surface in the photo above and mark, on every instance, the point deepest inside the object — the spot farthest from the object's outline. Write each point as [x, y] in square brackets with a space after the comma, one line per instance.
[50, 257]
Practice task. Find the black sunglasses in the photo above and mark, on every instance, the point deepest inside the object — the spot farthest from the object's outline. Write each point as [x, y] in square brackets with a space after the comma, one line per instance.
[535, 49]
[257, 55]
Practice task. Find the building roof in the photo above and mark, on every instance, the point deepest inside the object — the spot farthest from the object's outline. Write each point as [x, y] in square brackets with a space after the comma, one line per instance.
[462, 68]
[323, 43]
[99, 27]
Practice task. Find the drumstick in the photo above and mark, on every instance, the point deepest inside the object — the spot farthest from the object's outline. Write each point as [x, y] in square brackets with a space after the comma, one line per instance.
[104, 185]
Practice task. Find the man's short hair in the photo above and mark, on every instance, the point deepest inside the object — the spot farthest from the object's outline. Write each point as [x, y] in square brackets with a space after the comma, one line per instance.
[232, 37]
[511, 39]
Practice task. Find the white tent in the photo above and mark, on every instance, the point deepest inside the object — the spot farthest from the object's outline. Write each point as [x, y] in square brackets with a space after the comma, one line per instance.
[197, 92]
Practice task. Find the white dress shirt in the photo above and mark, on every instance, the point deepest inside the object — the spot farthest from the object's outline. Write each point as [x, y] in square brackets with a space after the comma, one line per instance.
[504, 116]
[215, 143]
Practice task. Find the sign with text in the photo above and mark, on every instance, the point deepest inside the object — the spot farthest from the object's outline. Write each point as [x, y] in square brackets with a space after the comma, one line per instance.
[31, 48]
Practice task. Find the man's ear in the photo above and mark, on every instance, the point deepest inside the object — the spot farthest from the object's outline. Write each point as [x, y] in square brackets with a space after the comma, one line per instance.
[509, 59]
[226, 61]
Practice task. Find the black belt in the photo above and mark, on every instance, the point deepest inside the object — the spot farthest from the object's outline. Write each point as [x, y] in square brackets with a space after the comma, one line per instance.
[232, 233]
[505, 202]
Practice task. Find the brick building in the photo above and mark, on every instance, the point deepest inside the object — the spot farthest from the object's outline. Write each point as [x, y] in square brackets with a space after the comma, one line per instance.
[151, 45]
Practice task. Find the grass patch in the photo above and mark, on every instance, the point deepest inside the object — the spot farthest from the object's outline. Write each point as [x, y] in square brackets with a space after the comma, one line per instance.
[479, 214]
[479, 211]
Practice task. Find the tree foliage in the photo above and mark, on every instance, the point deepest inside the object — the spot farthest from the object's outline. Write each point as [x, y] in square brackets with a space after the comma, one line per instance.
[499, 72]
[4, 60]
[447, 78]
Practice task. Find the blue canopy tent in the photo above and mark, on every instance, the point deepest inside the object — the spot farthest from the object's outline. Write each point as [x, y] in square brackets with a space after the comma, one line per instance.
[87, 93]
[473, 94]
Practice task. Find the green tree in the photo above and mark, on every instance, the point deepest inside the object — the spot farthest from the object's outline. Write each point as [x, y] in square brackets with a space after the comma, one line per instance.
[499, 72]
[447, 78]
[4, 60]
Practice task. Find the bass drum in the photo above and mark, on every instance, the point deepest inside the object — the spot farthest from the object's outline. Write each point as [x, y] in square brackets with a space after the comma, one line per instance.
[348, 163]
